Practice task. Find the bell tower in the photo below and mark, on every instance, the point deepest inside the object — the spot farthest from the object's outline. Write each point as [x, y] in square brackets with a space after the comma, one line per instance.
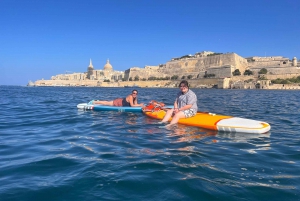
[90, 70]
[294, 61]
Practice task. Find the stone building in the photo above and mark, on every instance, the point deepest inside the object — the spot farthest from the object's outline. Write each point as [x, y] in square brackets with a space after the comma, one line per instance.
[204, 68]
[195, 66]
[106, 74]
[143, 73]
[275, 65]
[92, 74]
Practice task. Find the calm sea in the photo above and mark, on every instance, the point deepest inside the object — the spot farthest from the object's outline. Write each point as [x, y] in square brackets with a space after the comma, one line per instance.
[50, 150]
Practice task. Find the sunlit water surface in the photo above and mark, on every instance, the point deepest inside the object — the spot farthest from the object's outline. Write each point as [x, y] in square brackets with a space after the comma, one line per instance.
[50, 150]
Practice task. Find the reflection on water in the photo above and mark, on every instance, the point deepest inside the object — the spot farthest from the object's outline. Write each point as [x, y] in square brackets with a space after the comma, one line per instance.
[182, 133]
[131, 118]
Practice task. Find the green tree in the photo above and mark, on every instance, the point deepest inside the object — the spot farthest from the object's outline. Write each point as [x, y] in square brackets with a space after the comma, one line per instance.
[130, 79]
[174, 77]
[152, 78]
[189, 76]
[236, 72]
[263, 71]
[209, 75]
[183, 77]
[248, 72]
[136, 78]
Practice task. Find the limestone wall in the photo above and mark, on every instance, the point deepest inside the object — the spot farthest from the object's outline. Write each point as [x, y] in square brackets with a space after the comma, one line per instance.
[202, 83]
[171, 83]
[73, 76]
[217, 64]
[277, 70]
[223, 71]
[282, 76]
[277, 61]
[266, 84]
[149, 71]
[223, 83]
[67, 83]
[285, 86]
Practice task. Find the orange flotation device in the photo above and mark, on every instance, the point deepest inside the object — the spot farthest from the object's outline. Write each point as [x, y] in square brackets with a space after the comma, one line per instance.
[153, 106]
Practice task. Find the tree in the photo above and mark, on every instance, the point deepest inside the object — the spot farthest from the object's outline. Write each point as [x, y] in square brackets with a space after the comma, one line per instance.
[130, 79]
[183, 77]
[174, 77]
[248, 72]
[136, 78]
[189, 76]
[209, 75]
[236, 72]
[152, 78]
[263, 71]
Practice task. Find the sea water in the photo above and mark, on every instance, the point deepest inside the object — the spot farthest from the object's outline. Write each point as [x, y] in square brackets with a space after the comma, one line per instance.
[50, 150]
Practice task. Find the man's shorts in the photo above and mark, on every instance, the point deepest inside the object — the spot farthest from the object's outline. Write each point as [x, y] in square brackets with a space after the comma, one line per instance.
[189, 113]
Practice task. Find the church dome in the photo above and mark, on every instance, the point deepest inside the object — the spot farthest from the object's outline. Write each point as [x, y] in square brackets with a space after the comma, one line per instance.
[107, 66]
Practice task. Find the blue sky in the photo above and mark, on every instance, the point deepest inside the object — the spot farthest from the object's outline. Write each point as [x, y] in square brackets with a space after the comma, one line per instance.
[39, 39]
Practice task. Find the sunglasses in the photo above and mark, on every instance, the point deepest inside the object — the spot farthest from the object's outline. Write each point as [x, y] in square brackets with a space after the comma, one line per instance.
[134, 93]
[182, 86]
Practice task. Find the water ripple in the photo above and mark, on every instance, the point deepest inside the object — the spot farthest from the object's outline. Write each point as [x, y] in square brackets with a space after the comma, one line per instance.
[49, 150]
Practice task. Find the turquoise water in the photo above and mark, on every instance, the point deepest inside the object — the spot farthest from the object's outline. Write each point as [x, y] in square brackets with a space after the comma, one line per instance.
[50, 150]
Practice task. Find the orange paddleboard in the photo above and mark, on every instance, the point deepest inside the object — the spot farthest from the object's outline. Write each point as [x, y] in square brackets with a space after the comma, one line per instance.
[218, 122]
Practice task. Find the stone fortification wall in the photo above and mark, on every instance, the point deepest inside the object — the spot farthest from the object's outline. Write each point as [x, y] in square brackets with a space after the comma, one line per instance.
[277, 70]
[219, 72]
[73, 76]
[278, 61]
[284, 86]
[266, 84]
[202, 83]
[217, 64]
[148, 71]
[282, 76]
[223, 83]
[172, 83]
[242, 78]
[67, 83]
[181, 68]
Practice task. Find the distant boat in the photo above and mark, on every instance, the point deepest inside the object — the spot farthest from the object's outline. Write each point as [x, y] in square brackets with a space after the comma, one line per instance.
[30, 84]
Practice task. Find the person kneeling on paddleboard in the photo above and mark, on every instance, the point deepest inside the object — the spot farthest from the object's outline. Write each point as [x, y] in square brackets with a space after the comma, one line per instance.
[185, 104]
[129, 101]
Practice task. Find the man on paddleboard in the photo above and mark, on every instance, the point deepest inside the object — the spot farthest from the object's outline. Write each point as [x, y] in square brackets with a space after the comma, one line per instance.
[185, 104]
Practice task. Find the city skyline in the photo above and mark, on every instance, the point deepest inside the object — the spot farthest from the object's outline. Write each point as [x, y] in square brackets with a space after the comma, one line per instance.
[42, 39]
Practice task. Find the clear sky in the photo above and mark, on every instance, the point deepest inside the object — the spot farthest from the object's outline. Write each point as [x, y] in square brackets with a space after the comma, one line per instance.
[41, 38]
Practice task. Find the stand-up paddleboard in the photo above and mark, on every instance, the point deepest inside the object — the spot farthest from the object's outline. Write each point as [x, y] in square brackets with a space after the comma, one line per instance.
[86, 106]
[216, 122]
